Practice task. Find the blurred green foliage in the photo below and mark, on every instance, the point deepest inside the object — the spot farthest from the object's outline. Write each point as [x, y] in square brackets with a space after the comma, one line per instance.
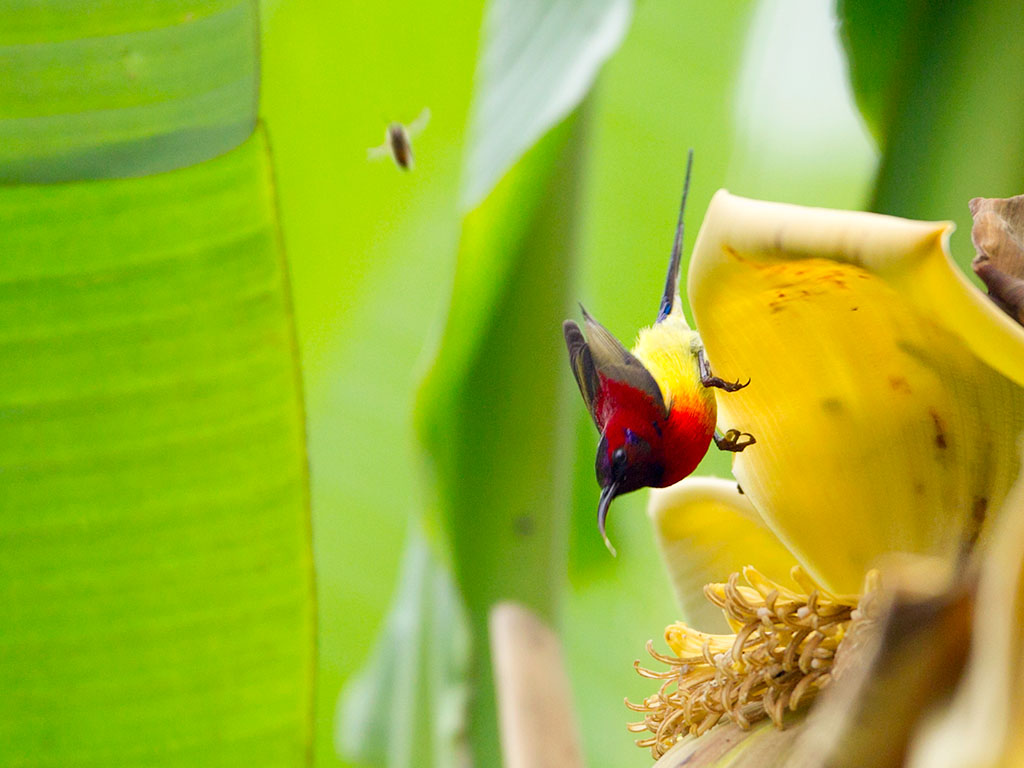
[944, 85]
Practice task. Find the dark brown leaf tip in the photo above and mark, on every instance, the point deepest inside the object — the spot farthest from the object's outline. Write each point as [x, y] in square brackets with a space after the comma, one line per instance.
[998, 237]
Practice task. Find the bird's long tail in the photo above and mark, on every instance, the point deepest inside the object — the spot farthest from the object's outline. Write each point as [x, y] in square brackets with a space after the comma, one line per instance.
[671, 303]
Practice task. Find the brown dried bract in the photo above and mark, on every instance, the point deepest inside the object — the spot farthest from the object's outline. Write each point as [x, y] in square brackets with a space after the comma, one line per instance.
[998, 237]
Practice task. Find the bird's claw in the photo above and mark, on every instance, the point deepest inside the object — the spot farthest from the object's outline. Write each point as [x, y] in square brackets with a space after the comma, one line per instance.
[708, 379]
[728, 386]
[734, 440]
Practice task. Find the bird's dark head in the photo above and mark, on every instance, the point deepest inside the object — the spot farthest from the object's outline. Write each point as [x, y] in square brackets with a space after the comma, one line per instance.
[629, 464]
[626, 462]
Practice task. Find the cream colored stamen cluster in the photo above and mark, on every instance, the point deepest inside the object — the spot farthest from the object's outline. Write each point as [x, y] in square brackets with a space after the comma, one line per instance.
[779, 658]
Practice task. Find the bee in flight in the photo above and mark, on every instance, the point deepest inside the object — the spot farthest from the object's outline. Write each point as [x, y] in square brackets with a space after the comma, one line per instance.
[655, 405]
[398, 141]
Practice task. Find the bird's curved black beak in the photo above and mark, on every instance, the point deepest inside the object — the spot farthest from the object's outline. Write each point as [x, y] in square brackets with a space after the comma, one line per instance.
[608, 493]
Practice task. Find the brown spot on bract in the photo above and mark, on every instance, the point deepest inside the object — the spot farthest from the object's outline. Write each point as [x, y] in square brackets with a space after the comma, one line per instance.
[832, 405]
[940, 429]
[854, 309]
[524, 525]
[899, 384]
[979, 509]
[919, 488]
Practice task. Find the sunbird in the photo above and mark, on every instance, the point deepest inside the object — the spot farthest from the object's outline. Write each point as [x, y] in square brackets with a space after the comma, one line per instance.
[654, 407]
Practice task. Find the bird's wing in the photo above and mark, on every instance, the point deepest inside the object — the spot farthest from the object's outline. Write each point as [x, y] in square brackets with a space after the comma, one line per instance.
[582, 363]
[600, 355]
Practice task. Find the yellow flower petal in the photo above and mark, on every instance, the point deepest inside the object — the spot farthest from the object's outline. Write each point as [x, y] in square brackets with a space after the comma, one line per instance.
[879, 425]
[706, 529]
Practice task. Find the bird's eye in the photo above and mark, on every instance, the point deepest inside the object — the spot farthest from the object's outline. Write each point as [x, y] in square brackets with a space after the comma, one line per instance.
[619, 458]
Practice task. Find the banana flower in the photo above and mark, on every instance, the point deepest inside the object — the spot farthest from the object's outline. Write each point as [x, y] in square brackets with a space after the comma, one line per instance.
[887, 399]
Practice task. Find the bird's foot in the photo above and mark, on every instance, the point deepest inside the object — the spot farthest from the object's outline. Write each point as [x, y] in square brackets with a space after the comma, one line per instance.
[728, 386]
[708, 379]
[734, 440]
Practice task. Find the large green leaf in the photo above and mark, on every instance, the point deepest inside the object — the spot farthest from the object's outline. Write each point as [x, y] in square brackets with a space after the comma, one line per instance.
[156, 589]
[951, 123]
[107, 89]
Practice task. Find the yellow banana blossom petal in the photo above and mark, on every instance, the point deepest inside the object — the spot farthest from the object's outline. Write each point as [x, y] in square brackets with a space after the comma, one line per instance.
[706, 528]
[881, 421]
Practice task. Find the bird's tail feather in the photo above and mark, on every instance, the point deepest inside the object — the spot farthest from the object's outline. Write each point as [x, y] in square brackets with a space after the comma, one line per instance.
[671, 303]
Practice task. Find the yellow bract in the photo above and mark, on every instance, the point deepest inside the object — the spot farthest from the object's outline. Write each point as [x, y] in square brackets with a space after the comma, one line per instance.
[881, 425]
[706, 529]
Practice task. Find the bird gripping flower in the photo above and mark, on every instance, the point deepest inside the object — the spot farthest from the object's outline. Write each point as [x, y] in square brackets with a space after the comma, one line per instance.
[654, 406]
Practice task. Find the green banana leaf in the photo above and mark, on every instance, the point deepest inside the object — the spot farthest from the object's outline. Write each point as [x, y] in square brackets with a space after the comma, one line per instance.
[101, 90]
[498, 432]
[493, 410]
[157, 572]
[154, 519]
